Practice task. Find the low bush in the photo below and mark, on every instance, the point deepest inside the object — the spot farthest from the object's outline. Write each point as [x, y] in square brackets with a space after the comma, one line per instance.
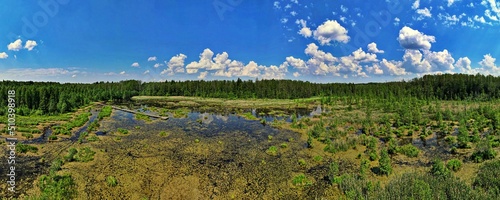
[409, 150]
[454, 165]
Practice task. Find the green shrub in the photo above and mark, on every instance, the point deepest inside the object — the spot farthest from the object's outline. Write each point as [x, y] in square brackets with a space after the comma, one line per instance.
[70, 157]
[454, 165]
[284, 145]
[333, 170]
[488, 178]
[439, 169]
[364, 167]
[385, 166]
[392, 146]
[409, 150]
[310, 142]
[373, 156]
[484, 151]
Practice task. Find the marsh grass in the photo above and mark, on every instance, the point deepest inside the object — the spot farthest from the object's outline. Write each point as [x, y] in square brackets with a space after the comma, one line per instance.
[123, 131]
[111, 181]
[273, 151]
[24, 148]
[84, 155]
[140, 116]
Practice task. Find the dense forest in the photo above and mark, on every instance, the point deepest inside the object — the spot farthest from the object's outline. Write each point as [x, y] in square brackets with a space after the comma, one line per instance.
[52, 97]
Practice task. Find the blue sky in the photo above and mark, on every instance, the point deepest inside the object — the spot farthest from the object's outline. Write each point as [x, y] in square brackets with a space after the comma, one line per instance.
[319, 41]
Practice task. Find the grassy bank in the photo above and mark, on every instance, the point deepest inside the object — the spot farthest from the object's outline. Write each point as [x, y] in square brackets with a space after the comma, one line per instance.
[182, 101]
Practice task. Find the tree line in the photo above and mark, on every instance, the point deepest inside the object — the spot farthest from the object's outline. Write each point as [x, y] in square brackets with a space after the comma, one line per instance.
[52, 97]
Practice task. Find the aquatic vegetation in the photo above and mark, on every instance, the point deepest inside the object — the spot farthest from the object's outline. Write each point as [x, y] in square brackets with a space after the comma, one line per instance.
[105, 112]
[24, 148]
[249, 116]
[140, 116]
[79, 121]
[454, 165]
[181, 112]
[273, 151]
[111, 181]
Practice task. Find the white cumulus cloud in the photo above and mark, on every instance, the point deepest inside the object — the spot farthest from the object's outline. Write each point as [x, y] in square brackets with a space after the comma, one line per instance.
[152, 58]
[423, 13]
[16, 45]
[372, 47]
[414, 39]
[203, 75]
[3, 55]
[415, 4]
[330, 31]
[30, 44]
[175, 65]
[136, 64]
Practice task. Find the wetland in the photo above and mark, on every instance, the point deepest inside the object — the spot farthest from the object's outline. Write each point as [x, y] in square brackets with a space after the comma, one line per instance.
[251, 149]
